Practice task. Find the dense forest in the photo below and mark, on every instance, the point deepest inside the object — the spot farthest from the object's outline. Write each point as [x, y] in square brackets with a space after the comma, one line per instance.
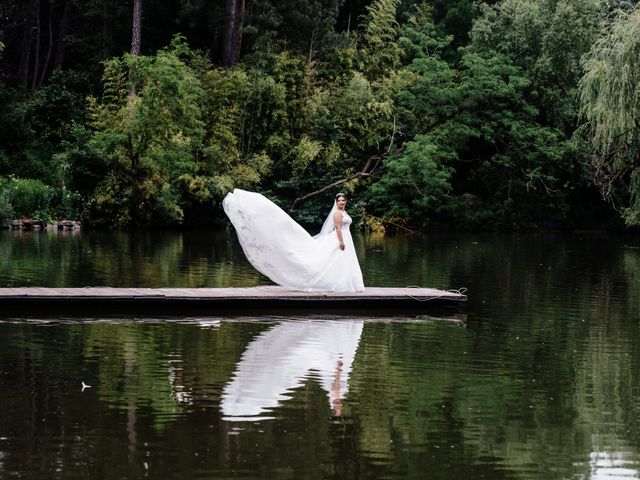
[503, 114]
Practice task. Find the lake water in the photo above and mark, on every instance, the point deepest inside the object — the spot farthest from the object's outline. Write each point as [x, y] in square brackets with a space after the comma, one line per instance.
[536, 377]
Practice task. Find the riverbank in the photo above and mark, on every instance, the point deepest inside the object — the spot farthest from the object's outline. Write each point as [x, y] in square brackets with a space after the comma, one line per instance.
[32, 224]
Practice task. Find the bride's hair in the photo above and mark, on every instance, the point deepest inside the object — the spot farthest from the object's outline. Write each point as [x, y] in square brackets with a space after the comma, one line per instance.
[340, 194]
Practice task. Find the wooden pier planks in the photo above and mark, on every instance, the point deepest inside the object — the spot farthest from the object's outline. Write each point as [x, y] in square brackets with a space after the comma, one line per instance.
[260, 298]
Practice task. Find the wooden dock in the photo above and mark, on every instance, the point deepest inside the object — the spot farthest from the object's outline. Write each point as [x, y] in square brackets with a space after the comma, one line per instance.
[214, 300]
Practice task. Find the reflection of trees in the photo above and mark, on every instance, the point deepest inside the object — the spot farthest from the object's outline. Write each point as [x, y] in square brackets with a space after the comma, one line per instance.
[427, 402]
[157, 259]
[552, 313]
[138, 373]
[410, 383]
[542, 382]
[37, 258]
[155, 364]
[144, 259]
[35, 385]
[608, 381]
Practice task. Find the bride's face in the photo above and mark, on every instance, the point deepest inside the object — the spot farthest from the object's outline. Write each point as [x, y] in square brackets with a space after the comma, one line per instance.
[341, 202]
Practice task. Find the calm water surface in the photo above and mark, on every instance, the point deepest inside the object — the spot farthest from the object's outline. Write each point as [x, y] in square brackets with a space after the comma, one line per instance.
[535, 378]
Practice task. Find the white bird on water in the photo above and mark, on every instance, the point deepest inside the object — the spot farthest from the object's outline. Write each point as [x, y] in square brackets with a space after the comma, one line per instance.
[84, 385]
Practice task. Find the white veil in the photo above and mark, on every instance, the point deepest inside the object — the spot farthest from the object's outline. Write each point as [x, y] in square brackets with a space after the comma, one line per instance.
[328, 226]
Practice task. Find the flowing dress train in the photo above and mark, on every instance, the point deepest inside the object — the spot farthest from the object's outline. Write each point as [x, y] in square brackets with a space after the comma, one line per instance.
[279, 248]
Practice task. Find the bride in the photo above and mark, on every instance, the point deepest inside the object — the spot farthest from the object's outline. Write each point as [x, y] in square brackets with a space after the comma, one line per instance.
[283, 251]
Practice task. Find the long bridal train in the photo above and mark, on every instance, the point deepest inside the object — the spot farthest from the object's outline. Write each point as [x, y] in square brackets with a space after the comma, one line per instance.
[284, 252]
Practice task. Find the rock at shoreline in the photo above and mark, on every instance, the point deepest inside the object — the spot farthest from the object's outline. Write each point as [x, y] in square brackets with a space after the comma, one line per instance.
[30, 224]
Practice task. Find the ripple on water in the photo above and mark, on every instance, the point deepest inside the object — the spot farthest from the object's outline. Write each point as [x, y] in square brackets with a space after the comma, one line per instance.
[539, 380]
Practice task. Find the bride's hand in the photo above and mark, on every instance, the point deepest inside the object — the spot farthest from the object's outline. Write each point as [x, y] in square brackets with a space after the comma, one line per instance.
[342, 246]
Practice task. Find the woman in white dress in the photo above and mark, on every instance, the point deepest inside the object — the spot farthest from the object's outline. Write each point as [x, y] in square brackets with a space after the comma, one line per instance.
[283, 251]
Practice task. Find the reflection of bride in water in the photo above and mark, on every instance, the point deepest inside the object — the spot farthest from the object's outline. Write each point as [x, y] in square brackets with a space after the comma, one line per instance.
[278, 360]
[283, 251]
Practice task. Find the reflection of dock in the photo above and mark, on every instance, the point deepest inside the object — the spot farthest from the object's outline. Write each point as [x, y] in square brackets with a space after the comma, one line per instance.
[264, 298]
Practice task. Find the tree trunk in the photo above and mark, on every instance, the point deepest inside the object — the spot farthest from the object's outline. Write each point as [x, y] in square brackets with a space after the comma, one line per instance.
[36, 60]
[136, 35]
[27, 39]
[43, 74]
[229, 35]
[238, 36]
[232, 35]
[136, 30]
[62, 33]
[107, 29]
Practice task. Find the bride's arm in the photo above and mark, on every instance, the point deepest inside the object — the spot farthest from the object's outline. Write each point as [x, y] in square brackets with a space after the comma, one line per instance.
[337, 220]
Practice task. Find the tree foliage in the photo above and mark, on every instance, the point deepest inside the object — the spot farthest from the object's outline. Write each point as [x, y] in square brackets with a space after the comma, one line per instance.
[157, 146]
[426, 112]
[610, 96]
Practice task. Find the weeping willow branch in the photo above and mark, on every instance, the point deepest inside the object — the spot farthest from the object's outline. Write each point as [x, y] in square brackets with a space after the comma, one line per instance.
[610, 106]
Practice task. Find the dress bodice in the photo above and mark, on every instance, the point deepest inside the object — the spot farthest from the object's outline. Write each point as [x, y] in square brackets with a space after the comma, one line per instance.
[346, 220]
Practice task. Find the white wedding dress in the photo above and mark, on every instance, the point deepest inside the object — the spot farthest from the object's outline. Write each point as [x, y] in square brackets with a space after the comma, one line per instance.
[283, 251]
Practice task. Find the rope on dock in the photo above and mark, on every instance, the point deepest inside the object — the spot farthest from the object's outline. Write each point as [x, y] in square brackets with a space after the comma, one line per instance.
[459, 291]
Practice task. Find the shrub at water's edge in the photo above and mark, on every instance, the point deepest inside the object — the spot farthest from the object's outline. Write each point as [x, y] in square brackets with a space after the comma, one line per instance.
[30, 198]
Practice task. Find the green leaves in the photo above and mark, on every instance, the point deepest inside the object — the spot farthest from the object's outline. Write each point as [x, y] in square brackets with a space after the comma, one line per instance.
[25, 197]
[476, 135]
[415, 182]
[476, 147]
[173, 144]
[610, 105]
[380, 52]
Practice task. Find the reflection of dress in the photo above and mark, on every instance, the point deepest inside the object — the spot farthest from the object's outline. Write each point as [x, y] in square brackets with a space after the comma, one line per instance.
[278, 360]
[282, 250]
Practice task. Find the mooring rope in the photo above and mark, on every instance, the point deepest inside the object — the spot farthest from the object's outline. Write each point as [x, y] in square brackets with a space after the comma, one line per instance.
[459, 291]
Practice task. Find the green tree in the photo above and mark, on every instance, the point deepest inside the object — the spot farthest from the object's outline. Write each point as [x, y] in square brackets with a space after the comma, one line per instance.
[415, 182]
[304, 27]
[546, 40]
[610, 105]
[380, 52]
[474, 147]
[148, 139]
[515, 167]
[174, 145]
[238, 106]
[6, 208]
[26, 198]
